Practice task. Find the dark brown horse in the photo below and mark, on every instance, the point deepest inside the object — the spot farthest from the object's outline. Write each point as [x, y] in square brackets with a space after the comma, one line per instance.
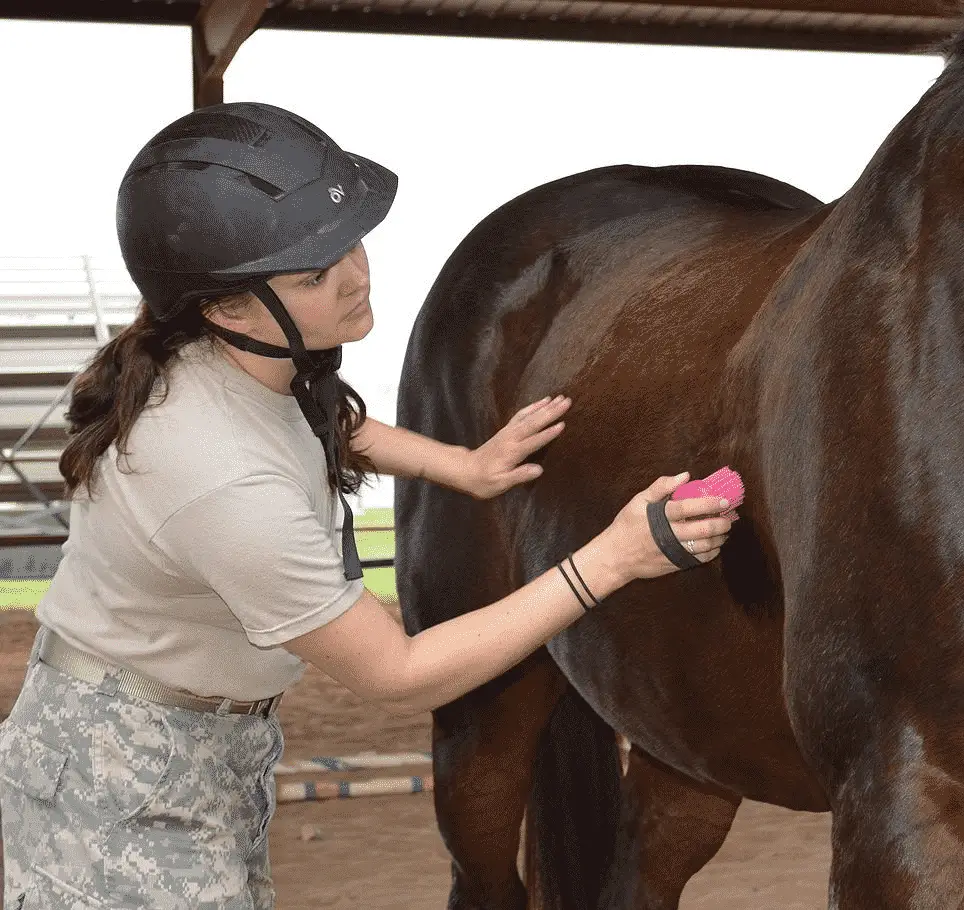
[698, 317]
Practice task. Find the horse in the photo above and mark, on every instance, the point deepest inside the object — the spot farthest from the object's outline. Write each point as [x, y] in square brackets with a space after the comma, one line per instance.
[704, 316]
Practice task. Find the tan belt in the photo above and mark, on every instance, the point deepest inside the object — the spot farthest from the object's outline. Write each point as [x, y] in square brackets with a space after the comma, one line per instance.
[57, 653]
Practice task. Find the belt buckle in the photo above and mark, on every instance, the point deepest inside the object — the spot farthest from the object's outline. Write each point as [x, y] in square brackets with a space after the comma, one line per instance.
[264, 706]
[270, 704]
[258, 707]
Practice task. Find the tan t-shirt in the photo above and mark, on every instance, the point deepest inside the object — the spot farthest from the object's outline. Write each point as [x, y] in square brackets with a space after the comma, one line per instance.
[222, 545]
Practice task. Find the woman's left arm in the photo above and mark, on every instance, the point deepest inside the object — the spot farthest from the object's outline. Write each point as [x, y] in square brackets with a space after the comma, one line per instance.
[485, 472]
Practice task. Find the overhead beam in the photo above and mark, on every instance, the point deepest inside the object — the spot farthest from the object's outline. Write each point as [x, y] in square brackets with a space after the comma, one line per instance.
[873, 26]
[901, 35]
[218, 31]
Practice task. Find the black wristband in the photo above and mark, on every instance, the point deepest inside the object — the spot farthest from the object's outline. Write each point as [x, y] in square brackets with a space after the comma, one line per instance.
[582, 603]
[582, 581]
[666, 540]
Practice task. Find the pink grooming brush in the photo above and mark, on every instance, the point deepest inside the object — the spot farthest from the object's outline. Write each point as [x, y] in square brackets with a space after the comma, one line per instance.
[724, 483]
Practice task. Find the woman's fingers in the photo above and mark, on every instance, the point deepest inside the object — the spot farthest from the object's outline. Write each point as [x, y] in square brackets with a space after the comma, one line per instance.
[701, 529]
[708, 543]
[528, 409]
[682, 509]
[531, 444]
[552, 406]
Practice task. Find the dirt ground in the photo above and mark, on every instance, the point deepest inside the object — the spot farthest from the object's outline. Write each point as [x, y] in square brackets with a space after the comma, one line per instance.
[385, 853]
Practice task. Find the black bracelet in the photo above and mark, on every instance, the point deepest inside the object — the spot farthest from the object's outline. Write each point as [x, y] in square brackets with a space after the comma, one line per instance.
[582, 581]
[582, 603]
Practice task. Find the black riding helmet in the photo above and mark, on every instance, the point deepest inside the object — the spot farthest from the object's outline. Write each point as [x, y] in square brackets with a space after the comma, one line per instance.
[231, 195]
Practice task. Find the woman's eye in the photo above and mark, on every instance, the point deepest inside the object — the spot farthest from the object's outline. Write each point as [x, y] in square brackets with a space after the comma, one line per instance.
[316, 279]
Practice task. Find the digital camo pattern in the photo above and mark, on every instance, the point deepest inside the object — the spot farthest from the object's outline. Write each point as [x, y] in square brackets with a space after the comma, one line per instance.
[109, 801]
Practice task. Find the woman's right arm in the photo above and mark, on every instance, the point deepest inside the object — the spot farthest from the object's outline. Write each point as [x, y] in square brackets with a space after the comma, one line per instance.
[369, 653]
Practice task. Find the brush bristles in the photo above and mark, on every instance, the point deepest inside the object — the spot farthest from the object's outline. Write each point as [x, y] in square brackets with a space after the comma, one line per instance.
[725, 483]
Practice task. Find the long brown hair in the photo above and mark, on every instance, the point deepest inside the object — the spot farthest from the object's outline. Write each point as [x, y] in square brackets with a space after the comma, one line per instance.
[111, 392]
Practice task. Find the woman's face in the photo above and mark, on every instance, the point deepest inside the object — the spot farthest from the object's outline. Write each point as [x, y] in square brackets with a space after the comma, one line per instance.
[329, 308]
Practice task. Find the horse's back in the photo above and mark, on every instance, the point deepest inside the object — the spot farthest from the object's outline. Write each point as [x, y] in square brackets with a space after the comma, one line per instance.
[524, 261]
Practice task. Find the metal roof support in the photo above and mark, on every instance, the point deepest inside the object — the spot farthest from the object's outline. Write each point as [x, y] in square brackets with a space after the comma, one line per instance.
[217, 33]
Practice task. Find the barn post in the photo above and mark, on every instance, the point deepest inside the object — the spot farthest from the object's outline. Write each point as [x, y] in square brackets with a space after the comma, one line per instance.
[220, 28]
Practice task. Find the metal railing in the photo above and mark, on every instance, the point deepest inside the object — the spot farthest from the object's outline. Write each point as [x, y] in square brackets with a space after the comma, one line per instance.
[55, 312]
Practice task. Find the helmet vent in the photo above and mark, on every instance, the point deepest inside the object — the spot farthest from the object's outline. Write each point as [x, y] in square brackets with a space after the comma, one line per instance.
[311, 133]
[173, 166]
[275, 192]
[269, 189]
[212, 126]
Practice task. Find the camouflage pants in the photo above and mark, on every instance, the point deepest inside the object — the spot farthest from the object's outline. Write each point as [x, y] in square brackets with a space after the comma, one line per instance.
[109, 801]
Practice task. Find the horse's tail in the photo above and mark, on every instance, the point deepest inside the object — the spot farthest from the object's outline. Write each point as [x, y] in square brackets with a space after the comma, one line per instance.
[573, 810]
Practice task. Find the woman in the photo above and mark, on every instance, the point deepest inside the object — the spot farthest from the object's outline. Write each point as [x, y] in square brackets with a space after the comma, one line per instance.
[203, 569]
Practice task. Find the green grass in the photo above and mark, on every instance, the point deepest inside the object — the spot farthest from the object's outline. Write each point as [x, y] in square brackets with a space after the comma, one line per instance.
[21, 595]
[16, 594]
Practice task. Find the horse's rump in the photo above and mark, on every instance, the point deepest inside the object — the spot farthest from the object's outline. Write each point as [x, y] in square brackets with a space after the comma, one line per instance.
[625, 288]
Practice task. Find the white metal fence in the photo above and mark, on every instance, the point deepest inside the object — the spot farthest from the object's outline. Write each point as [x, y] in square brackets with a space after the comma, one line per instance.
[55, 312]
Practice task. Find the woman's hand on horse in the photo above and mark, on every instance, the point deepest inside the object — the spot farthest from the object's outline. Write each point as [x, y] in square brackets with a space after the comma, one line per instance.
[497, 465]
[633, 550]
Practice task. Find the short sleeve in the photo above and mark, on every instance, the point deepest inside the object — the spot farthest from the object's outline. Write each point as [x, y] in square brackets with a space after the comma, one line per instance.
[257, 542]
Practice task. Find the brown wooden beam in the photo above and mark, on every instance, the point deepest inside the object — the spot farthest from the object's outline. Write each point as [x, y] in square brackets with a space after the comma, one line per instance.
[218, 31]
[804, 36]
[914, 26]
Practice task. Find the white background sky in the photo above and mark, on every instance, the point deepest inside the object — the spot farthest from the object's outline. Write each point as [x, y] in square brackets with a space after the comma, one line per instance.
[467, 124]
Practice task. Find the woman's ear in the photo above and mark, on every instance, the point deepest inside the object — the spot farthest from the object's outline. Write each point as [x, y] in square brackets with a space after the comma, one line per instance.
[232, 312]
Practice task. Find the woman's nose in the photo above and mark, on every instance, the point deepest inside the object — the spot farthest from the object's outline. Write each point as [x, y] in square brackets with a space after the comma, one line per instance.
[356, 271]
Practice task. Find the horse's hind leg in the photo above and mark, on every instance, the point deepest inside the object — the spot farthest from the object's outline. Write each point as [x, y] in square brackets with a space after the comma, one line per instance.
[898, 831]
[484, 746]
[671, 826]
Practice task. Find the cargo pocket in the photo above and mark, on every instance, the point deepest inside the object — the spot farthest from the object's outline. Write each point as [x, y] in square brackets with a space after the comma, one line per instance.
[28, 764]
[132, 754]
[46, 892]
[30, 775]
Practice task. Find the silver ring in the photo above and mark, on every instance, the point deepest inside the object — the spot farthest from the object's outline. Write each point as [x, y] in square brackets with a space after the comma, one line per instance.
[689, 546]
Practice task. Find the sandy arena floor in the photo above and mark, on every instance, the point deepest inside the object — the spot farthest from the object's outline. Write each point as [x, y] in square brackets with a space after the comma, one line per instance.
[384, 853]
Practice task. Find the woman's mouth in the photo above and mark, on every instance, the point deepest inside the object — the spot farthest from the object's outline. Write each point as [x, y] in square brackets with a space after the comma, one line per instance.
[360, 308]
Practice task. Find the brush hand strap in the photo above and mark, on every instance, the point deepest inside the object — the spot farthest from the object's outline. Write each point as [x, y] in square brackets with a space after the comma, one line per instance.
[666, 540]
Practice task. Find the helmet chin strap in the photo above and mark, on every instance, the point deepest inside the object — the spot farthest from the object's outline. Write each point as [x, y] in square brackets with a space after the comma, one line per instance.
[315, 389]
